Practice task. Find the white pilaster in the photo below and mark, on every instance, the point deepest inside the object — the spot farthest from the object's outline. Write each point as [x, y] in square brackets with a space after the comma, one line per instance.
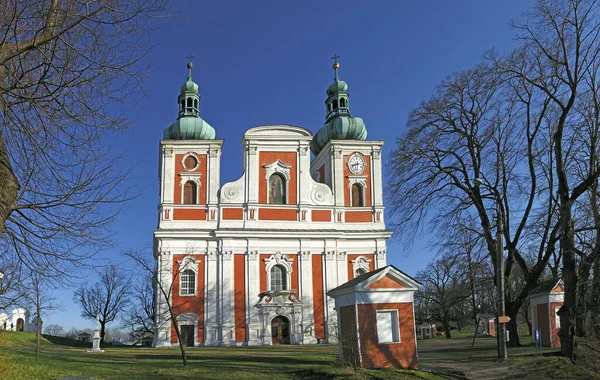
[306, 296]
[227, 311]
[164, 268]
[212, 300]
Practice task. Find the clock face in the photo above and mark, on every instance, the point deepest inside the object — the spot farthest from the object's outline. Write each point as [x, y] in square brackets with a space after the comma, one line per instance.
[356, 164]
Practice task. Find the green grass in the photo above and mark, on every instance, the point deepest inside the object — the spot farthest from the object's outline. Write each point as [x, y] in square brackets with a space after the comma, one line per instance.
[60, 358]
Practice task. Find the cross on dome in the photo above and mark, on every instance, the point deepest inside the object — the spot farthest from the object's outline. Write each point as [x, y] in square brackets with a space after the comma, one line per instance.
[336, 64]
[190, 65]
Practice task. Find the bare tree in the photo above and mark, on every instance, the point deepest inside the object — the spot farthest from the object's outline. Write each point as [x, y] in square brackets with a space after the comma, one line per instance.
[106, 298]
[444, 286]
[563, 38]
[140, 315]
[11, 291]
[163, 278]
[39, 294]
[54, 330]
[67, 70]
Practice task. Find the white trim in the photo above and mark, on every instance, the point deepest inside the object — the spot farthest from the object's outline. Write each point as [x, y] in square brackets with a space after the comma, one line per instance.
[282, 169]
[360, 181]
[395, 322]
[283, 260]
[187, 319]
[191, 263]
[190, 177]
[361, 262]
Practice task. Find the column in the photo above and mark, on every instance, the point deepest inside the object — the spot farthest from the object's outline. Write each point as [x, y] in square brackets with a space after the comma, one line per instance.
[308, 318]
[252, 291]
[227, 311]
[164, 264]
[211, 325]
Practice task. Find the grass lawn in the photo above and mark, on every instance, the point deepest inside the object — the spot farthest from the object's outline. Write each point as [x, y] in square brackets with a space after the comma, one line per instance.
[60, 358]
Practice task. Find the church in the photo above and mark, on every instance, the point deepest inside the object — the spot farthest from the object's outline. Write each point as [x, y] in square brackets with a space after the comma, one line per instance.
[250, 262]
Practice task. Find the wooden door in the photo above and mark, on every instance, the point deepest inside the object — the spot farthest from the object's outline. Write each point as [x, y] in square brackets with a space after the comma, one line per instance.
[187, 335]
[20, 324]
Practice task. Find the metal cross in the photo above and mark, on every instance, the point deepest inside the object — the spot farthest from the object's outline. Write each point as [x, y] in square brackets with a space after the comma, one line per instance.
[191, 56]
[335, 58]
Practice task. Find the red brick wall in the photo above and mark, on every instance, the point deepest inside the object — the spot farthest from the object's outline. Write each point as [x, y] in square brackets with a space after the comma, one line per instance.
[267, 158]
[200, 169]
[376, 355]
[239, 290]
[277, 214]
[189, 214]
[231, 213]
[321, 215]
[358, 216]
[318, 301]
[366, 172]
[185, 304]
[553, 330]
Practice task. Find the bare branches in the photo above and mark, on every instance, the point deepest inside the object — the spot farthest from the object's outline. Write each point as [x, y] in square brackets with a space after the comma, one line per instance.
[67, 71]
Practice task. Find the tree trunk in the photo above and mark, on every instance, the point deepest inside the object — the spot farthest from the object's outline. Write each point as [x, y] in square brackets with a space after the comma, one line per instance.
[581, 308]
[9, 188]
[446, 322]
[595, 304]
[511, 327]
[102, 330]
[567, 311]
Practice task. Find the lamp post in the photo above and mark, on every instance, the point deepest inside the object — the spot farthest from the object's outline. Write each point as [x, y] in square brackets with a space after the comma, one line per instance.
[501, 335]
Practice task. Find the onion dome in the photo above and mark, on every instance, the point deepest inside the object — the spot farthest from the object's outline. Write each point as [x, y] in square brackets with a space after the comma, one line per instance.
[339, 125]
[189, 125]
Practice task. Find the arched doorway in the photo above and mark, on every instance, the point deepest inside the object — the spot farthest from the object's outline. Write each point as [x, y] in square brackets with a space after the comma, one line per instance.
[20, 324]
[280, 330]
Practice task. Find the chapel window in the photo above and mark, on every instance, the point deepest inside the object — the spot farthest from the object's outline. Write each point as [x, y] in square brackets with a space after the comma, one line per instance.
[357, 195]
[189, 102]
[190, 193]
[188, 283]
[277, 190]
[278, 278]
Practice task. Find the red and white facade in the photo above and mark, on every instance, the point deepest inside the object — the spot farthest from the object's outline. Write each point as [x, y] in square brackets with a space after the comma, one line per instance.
[250, 262]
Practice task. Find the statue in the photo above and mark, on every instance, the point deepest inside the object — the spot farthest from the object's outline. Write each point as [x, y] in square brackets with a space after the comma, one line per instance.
[97, 321]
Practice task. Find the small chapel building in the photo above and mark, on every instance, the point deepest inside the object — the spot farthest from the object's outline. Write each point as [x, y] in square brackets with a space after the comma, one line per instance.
[251, 262]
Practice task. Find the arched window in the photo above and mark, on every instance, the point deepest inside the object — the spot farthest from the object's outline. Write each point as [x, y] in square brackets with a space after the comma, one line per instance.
[190, 193]
[342, 102]
[182, 104]
[189, 102]
[278, 278]
[357, 195]
[187, 285]
[277, 190]
[360, 271]
[335, 104]
[196, 103]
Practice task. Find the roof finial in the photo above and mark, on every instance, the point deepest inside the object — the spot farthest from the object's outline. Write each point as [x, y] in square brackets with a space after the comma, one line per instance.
[336, 65]
[189, 66]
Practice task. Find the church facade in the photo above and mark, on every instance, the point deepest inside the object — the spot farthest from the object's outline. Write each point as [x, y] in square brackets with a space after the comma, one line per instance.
[250, 262]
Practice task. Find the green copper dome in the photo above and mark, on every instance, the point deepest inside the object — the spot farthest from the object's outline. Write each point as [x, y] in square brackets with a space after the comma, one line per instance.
[337, 86]
[339, 124]
[189, 125]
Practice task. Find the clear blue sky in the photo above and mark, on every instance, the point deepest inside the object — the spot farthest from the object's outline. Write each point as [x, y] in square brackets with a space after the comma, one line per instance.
[268, 62]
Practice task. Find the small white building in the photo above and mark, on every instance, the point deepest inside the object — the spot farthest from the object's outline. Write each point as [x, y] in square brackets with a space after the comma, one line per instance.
[84, 337]
[19, 321]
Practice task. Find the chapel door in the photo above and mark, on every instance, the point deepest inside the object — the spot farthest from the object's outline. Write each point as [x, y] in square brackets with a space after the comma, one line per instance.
[187, 335]
[20, 324]
[280, 330]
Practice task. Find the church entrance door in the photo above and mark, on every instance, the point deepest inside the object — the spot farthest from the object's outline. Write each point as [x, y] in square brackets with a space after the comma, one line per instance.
[187, 335]
[280, 330]
[20, 324]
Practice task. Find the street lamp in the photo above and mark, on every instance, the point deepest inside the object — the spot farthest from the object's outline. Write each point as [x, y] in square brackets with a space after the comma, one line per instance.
[501, 309]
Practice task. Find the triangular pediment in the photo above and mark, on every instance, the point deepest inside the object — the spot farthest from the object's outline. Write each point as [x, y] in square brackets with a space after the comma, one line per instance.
[386, 282]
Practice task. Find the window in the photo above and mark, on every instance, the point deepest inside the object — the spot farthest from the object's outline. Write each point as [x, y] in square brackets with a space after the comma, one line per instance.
[342, 102]
[190, 162]
[190, 193]
[556, 317]
[360, 271]
[188, 283]
[357, 195]
[189, 102]
[182, 104]
[278, 278]
[277, 191]
[388, 330]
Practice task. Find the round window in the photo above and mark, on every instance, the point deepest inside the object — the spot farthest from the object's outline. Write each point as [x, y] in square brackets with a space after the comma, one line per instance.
[190, 163]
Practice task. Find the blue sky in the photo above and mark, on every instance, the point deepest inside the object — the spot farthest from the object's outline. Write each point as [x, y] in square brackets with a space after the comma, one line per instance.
[268, 62]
